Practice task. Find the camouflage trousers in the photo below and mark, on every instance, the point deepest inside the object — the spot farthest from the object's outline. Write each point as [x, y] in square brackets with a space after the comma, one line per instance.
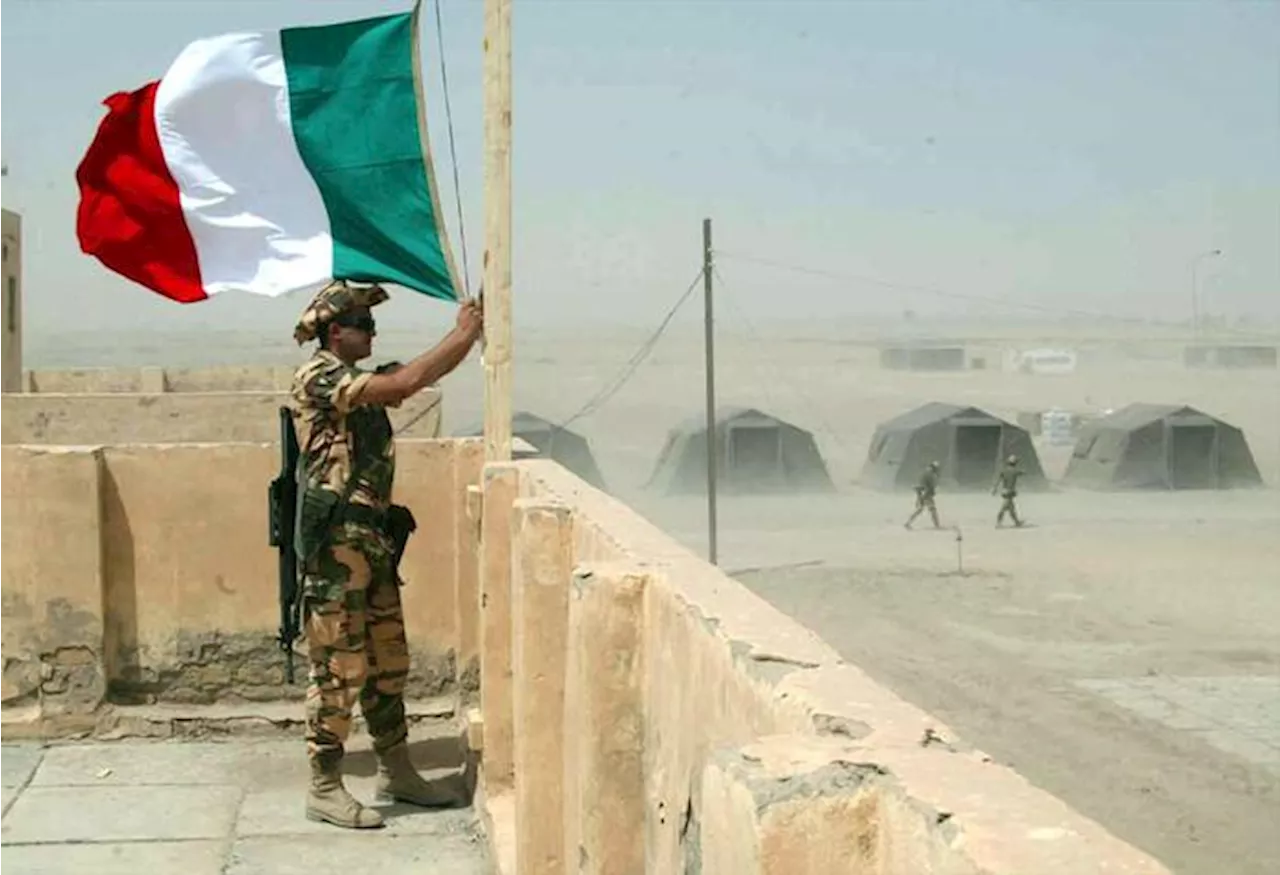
[1008, 506]
[923, 503]
[356, 643]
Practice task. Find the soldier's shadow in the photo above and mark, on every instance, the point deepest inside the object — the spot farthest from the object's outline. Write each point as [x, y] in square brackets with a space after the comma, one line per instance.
[437, 760]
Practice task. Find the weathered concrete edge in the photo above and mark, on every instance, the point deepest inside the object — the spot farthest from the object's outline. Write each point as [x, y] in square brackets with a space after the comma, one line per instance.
[498, 820]
[1002, 822]
[178, 721]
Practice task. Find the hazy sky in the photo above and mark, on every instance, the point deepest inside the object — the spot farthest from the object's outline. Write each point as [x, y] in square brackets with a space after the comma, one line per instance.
[1077, 155]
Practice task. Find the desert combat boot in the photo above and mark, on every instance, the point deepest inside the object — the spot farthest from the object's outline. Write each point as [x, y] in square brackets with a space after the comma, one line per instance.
[399, 781]
[329, 801]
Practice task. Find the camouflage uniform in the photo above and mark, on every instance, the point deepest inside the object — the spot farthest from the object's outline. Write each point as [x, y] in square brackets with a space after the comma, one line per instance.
[1007, 483]
[354, 626]
[354, 623]
[926, 489]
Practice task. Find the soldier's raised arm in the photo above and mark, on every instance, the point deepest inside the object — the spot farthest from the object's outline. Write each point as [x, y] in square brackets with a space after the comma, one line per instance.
[428, 368]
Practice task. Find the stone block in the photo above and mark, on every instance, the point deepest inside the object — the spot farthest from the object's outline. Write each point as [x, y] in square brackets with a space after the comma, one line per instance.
[53, 577]
[385, 854]
[203, 857]
[542, 563]
[799, 805]
[424, 482]
[18, 762]
[139, 813]
[501, 485]
[154, 381]
[467, 466]
[140, 764]
[605, 719]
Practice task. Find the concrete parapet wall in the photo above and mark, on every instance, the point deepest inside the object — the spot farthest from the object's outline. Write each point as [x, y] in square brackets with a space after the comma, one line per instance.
[666, 719]
[120, 417]
[641, 710]
[142, 573]
[53, 575]
[223, 378]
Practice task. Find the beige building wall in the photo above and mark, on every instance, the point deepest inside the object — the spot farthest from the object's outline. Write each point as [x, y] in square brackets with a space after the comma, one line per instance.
[177, 417]
[215, 378]
[11, 293]
[139, 574]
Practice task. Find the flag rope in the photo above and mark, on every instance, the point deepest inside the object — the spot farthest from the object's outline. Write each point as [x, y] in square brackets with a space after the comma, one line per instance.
[453, 149]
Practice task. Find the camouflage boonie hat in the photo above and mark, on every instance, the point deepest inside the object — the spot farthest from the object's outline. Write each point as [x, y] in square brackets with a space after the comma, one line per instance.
[335, 298]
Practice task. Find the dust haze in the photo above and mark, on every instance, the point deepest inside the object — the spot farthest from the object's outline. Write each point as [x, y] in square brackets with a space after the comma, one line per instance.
[1102, 179]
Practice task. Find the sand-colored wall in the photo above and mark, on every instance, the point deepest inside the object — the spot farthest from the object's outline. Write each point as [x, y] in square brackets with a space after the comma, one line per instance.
[119, 417]
[142, 573]
[151, 380]
[639, 686]
[220, 378]
[53, 574]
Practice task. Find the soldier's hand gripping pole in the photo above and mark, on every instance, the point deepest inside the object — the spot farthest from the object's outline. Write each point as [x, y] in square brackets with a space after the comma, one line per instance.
[282, 500]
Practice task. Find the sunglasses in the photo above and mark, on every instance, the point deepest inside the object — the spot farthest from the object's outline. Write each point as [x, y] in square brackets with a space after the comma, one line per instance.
[363, 323]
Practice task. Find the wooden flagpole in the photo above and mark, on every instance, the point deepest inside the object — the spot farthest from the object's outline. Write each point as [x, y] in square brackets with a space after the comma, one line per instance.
[497, 215]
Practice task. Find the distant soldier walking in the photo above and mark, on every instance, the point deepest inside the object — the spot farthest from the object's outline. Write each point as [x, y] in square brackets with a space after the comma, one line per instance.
[346, 552]
[926, 489]
[1007, 483]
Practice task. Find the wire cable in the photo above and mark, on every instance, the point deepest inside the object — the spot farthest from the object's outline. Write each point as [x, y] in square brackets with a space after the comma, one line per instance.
[629, 369]
[959, 296]
[453, 149]
[816, 410]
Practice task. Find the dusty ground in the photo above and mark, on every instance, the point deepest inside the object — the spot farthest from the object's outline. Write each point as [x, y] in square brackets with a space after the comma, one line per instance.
[1117, 662]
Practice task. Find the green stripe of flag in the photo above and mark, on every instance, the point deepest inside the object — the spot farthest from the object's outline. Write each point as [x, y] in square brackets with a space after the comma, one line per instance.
[355, 118]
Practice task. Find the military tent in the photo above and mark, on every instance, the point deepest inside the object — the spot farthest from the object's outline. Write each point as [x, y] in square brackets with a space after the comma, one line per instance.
[552, 441]
[969, 444]
[1156, 446]
[755, 453]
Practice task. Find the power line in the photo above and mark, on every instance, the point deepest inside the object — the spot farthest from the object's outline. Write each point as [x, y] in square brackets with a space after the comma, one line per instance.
[628, 370]
[919, 289]
[959, 296]
[779, 373]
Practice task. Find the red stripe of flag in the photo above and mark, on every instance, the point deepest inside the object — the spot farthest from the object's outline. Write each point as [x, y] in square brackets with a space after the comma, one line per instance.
[130, 216]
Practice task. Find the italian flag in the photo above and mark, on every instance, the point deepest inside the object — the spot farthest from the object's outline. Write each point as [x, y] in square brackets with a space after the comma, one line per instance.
[269, 163]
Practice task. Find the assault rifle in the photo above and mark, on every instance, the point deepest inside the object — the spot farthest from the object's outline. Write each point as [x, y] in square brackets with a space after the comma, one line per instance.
[282, 502]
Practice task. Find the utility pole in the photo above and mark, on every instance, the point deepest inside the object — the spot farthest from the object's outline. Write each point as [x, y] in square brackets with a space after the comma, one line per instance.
[497, 225]
[708, 267]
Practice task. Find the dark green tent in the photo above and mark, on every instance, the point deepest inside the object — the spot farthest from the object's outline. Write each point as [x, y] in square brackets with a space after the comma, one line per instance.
[755, 453]
[552, 441]
[967, 442]
[1161, 446]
